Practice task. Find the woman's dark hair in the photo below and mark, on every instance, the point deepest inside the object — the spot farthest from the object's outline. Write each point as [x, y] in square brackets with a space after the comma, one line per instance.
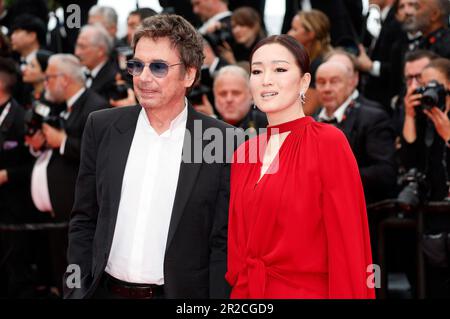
[297, 50]
[442, 65]
[247, 16]
[8, 73]
[42, 57]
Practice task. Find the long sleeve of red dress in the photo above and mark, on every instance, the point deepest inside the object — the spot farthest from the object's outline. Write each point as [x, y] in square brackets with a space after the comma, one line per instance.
[301, 231]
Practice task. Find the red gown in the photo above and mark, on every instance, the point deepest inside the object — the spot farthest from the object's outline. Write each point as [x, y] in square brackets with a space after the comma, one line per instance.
[301, 231]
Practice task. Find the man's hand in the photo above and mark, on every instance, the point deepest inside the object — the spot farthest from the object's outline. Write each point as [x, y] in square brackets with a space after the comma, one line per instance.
[226, 52]
[3, 177]
[53, 136]
[129, 100]
[441, 122]
[363, 61]
[411, 101]
[36, 141]
[205, 107]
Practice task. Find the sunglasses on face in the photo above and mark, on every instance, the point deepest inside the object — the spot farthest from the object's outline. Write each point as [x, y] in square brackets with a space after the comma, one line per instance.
[158, 69]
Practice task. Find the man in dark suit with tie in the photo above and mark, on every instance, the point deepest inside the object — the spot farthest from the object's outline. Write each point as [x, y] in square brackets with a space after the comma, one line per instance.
[58, 149]
[337, 12]
[367, 127]
[377, 61]
[150, 213]
[94, 48]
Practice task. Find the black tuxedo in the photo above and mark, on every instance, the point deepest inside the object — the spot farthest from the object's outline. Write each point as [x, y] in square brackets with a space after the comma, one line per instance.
[379, 88]
[195, 257]
[340, 22]
[15, 201]
[105, 79]
[62, 170]
[371, 137]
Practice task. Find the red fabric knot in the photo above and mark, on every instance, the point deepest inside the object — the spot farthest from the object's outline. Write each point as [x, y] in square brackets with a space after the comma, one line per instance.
[256, 277]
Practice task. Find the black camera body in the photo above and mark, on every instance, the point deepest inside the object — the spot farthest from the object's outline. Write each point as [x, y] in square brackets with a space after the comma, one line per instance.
[414, 188]
[118, 91]
[196, 94]
[39, 114]
[433, 95]
[216, 38]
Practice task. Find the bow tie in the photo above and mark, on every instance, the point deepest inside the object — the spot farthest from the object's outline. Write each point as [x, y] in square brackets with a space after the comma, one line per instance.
[88, 75]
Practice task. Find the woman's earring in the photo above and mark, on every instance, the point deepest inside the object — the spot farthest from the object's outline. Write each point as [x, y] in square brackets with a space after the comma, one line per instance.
[254, 106]
[302, 98]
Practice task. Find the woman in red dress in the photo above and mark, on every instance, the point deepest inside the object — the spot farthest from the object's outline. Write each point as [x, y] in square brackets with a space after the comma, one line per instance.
[298, 225]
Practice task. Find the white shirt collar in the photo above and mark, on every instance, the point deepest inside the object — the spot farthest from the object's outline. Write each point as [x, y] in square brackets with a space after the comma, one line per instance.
[385, 12]
[177, 125]
[213, 66]
[30, 56]
[216, 18]
[339, 113]
[71, 101]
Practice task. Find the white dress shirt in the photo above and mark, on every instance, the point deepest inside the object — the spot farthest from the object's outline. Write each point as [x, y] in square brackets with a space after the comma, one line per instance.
[148, 192]
[340, 111]
[306, 5]
[39, 184]
[66, 114]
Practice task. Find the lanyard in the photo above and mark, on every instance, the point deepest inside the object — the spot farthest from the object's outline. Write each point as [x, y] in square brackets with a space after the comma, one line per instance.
[5, 113]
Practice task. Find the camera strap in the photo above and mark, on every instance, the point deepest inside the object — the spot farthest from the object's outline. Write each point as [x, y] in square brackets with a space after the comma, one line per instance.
[5, 113]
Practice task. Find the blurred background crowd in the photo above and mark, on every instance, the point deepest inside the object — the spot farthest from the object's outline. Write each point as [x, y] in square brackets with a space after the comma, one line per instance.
[381, 74]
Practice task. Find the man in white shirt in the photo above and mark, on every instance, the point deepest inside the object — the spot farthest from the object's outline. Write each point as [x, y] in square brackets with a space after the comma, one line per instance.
[150, 218]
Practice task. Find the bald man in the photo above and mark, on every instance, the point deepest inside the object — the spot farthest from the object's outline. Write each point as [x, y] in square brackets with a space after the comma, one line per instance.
[368, 129]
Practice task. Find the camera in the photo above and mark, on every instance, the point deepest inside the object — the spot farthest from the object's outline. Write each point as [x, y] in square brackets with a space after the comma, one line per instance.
[196, 94]
[216, 38]
[433, 94]
[118, 91]
[349, 44]
[124, 53]
[39, 114]
[414, 188]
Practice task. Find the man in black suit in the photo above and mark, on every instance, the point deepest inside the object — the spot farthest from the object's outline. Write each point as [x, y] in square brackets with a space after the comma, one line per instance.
[376, 62]
[15, 161]
[150, 213]
[336, 10]
[58, 149]
[94, 48]
[367, 127]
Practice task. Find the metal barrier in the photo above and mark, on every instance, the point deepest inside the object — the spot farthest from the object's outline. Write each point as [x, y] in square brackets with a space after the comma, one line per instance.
[390, 214]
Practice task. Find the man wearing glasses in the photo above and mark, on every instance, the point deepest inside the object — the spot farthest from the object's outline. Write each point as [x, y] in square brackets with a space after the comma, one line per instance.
[147, 222]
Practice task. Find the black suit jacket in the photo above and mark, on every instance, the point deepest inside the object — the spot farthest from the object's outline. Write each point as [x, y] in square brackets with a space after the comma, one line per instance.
[195, 258]
[105, 80]
[379, 88]
[15, 200]
[371, 136]
[341, 24]
[62, 170]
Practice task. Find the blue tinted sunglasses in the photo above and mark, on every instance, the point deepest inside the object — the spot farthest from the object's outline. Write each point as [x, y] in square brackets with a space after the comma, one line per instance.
[158, 69]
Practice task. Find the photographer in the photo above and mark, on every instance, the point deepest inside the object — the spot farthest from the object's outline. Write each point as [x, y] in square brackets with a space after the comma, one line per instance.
[57, 143]
[426, 130]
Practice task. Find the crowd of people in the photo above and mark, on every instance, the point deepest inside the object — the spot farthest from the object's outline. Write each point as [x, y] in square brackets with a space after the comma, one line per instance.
[387, 91]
